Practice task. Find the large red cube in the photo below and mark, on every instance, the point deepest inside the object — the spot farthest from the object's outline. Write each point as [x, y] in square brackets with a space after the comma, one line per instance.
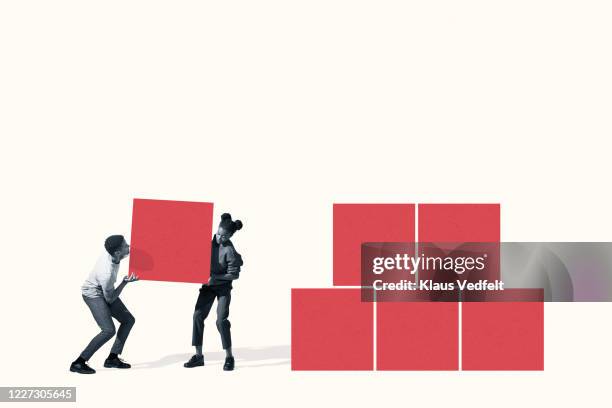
[171, 240]
[417, 336]
[355, 224]
[478, 225]
[459, 223]
[503, 336]
[331, 329]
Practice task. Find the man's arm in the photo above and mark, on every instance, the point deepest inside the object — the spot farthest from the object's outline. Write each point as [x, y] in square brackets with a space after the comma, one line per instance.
[110, 292]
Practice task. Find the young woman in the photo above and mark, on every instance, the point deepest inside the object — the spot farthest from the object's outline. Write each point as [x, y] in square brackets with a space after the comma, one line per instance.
[225, 263]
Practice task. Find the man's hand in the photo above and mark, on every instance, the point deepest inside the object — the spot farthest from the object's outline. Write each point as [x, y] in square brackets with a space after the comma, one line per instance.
[130, 278]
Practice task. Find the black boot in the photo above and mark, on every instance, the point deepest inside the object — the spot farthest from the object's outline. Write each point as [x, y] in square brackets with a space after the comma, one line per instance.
[229, 364]
[115, 362]
[81, 367]
[195, 361]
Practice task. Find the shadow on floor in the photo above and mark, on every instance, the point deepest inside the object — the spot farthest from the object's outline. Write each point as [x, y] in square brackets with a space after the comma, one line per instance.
[259, 355]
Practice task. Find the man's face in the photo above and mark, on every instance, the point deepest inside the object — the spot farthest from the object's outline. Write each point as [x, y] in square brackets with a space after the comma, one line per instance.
[124, 251]
[223, 235]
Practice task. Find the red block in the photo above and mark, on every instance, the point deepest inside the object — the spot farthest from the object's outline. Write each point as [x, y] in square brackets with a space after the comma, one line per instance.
[355, 224]
[503, 336]
[417, 336]
[171, 240]
[331, 329]
[459, 223]
[463, 223]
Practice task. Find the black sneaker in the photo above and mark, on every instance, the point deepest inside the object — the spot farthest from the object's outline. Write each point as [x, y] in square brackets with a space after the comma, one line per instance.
[81, 368]
[115, 362]
[194, 361]
[229, 364]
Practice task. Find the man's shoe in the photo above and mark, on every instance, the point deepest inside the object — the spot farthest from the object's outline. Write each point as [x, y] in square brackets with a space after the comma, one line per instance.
[229, 364]
[194, 361]
[115, 362]
[81, 368]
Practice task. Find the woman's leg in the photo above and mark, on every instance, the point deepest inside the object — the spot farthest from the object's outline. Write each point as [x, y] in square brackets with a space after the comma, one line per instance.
[202, 308]
[223, 323]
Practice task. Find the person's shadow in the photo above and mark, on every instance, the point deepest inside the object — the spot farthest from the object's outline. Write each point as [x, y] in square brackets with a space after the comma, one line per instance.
[261, 356]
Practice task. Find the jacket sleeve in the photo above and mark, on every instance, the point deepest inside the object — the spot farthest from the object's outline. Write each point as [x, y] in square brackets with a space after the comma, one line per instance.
[234, 262]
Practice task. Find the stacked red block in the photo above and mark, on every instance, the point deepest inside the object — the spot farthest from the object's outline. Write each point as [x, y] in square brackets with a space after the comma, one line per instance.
[332, 329]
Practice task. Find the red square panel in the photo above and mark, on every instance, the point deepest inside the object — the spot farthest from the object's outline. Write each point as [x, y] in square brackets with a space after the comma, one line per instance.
[171, 240]
[459, 223]
[355, 224]
[503, 336]
[331, 329]
[417, 336]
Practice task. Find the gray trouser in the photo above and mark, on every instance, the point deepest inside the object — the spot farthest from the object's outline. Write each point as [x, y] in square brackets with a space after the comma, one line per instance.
[103, 313]
[204, 304]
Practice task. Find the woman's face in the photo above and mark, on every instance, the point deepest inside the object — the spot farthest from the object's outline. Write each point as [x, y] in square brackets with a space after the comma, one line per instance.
[223, 235]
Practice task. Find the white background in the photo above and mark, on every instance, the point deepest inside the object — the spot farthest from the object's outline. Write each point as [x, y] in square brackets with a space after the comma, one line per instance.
[275, 110]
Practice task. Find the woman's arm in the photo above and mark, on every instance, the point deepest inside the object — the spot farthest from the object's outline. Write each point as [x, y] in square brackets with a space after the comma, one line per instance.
[226, 277]
[234, 262]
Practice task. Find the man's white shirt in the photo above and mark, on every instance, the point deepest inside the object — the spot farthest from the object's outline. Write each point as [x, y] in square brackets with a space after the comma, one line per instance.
[101, 279]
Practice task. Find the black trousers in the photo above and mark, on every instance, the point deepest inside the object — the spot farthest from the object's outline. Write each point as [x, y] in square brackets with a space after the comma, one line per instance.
[103, 314]
[202, 308]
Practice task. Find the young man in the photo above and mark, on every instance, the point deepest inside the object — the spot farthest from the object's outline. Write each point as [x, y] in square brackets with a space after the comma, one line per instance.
[225, 263]
[102, 298]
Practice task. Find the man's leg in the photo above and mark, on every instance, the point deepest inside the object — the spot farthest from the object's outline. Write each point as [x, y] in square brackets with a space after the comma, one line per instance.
[202, 308]
[102, 315]
[123, 315]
